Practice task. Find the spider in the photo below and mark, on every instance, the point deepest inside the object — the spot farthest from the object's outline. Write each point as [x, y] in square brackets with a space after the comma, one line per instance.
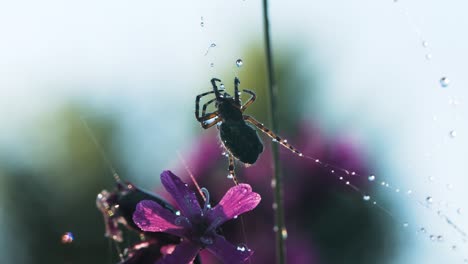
[239, 137]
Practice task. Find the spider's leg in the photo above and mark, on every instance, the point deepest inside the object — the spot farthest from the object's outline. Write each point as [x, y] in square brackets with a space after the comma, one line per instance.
[232, 173]
[215, 88]
[197, 104]
[275, 137]
[207, 117]
[208, 125]
[251, 100]
[236, 91]
[206, 105]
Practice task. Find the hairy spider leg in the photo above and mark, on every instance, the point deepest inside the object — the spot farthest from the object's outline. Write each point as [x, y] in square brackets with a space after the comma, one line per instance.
[215, 88]
[208, 125]
[275, 137]
[236, 91]
[206, 105]
[197, 104]
[232, 173]
[250, 101]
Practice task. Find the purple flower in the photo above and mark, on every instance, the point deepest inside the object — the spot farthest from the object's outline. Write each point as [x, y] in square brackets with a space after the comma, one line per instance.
[195, 225]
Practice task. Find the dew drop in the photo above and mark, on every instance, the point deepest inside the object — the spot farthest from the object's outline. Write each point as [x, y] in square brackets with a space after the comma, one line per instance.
[285, 141]
[409, 192]
[440, 238]
[454, 247]
[273, 183]
[444, 82]
[428, 56]
[347, 183]
[284, 233]
[432, 237]
[453, 134]
[459, 211]
[239, 63]
[429, 199]
[422, 230]
[235, 217]
[341, 178]
[242, 247]
[221, 86]
[405, 224]
[425, 44]
[213, 45]
[177, 212]
[371, 178]
[382, 183]
[274, 206]
[211, 65]
[67, 238]
[374, 202]
[275, 229]
[317, 161]
[397, 190]
[366, 197]
[202, 24]
[431, 178]
[449, 186]
[230, 176]
[300, 154]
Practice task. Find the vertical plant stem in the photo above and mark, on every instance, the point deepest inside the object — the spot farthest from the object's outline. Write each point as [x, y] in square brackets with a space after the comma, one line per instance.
[277, 177]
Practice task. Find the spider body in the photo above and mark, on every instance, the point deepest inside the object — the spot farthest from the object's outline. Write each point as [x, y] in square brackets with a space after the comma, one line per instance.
[238, 136]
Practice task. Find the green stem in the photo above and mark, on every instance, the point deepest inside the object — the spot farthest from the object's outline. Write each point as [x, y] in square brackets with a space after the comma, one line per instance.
[280, 227]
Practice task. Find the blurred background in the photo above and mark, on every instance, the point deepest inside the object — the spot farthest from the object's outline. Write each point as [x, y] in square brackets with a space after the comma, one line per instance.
[359, 87]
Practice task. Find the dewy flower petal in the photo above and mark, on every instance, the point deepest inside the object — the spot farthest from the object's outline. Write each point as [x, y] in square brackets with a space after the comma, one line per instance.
[237, 200]
[229, 253]
[184, 252]
[184, 197]
[150, 216]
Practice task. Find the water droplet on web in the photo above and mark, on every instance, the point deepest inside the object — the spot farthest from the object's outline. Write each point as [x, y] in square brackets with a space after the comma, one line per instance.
[347, 183]
[202, 24]
[422, 230]
[440, 238]
[67, 238]
[432, 237]
[409, 192]
[230, 176]
[431, 178]
[242, 247]
[428, 56]
[453, 134]
[405, 224]
[425, 44]
[221, 86]
[371, 178]
[341, 178]
[239, 63]
[366, 197]
[213, 45]
[444, 82]
[397, 190]
[274, 206]
[235, 217]
[459, 211]
[275, 229]
[284, 233]
[211, 65]
[177, 212]
[353, 173]
[429, 199]
[382, 183]
[273, 183]
[454, 247]
[449, 186]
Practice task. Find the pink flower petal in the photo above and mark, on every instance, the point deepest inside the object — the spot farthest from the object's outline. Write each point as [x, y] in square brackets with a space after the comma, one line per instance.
[151, 216]
[237, 200]
[228, 252]
[184, 197]
[184, 252]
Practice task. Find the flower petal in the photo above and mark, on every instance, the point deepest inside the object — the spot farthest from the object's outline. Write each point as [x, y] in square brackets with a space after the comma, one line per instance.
[229, 253]
[184, 252]
[237, 200]
[184, 197]
[151, 216]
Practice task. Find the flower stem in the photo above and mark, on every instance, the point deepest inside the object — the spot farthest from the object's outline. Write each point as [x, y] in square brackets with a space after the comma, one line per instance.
[280, 229]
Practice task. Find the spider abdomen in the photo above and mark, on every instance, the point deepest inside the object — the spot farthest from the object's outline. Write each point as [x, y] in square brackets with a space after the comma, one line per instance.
[241, 140]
